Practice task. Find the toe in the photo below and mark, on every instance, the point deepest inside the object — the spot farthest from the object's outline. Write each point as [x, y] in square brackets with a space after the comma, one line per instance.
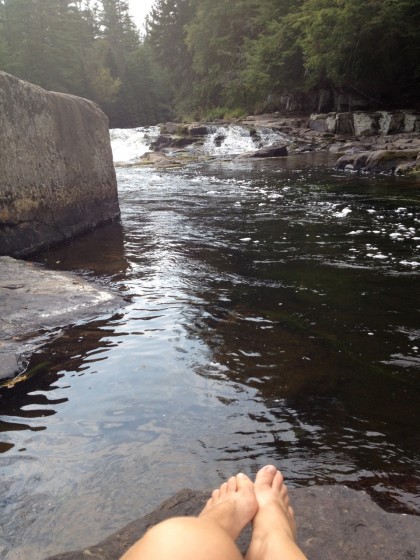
[278, 481]
[265, 476]
[231, 484]
[223, 489]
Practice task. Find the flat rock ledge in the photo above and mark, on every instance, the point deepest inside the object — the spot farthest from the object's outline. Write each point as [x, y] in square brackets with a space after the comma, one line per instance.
[334, 523]
[36, 303]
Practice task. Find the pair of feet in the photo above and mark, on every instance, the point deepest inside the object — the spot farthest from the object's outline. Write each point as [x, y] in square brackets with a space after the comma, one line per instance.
[265, 502]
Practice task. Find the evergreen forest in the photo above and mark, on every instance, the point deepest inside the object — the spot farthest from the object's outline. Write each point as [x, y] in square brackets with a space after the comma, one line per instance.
[201, 59]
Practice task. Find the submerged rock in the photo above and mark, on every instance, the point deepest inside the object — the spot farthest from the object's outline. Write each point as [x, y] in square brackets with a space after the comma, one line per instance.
[57, 176]
[333, 522]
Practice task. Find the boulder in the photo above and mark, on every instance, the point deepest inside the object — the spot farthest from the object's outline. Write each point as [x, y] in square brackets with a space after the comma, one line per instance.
[323, 123]
[198, 130]
[270, 152]
[333, 522]
[173, 128]
[411, 122]
[318, 122]
[162, 141]
[57, 176]
[168, 141]
[344, 123]
[365, 124]
[378, 161]
[405, 168]
[388, 160]
[391, 122]
[356, 159]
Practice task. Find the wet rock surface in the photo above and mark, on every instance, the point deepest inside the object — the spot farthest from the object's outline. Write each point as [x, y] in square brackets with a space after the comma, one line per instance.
[333, 522]
[36, 303]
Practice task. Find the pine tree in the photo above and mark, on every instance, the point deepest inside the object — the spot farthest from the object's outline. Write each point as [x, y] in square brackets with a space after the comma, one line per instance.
[166, 36]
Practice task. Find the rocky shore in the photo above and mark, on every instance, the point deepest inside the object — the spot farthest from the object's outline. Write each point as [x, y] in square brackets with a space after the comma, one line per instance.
[377, 142]
[333, 522]
[36, 304]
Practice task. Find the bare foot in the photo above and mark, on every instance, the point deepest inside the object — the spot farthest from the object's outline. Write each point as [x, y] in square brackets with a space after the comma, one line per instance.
[274, 534]
[233, 505]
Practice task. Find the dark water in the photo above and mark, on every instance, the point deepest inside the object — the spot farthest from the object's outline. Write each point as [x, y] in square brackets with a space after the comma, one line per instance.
[272, 316]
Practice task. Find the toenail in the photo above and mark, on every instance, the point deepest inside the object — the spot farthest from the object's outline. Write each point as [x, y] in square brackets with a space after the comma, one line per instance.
[270, 468]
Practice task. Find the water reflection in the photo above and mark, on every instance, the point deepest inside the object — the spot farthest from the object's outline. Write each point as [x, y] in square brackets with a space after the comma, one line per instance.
[100, 253]
[271, 317]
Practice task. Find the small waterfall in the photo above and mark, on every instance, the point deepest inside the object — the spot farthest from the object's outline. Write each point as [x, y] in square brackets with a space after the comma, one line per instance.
[129, 144]
[228, 140]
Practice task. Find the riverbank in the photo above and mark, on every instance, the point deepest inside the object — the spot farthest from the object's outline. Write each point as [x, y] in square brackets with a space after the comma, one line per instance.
[333, 522]
[372, 142]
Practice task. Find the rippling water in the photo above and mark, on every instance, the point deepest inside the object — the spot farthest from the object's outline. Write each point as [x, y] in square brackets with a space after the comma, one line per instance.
[272, 315]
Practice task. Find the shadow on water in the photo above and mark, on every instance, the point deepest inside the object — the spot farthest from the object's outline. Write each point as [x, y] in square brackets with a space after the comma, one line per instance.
[272, 316]
[99, 253]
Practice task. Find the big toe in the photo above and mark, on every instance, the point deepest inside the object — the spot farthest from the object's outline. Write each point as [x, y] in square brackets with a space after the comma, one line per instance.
[265, 476]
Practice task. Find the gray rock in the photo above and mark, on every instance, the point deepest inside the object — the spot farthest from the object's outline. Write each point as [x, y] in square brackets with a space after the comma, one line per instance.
[365, 124]
[344, 123]
[333, 522]
[271, 152]
[391, 122]
[57, 176]
[318, 122]
[405, 168]
[34, 300]
[388, 160]
[198, 130]
[379, 160]
[356, 159]
[412, 122]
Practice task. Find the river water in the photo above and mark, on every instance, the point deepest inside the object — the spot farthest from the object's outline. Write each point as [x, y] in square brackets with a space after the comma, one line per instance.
[271, 316]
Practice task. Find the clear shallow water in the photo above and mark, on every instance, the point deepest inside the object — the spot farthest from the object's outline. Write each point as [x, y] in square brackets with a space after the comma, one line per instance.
[272, 315]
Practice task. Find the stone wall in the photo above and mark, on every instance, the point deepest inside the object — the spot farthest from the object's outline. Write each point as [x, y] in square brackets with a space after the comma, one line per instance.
[57, 177]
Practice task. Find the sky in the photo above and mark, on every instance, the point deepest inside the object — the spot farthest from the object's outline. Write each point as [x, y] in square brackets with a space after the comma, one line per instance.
[139, 9]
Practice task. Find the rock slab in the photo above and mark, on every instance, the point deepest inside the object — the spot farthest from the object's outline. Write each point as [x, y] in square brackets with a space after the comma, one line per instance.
[57, 176]
[35, 301]
[333, 522]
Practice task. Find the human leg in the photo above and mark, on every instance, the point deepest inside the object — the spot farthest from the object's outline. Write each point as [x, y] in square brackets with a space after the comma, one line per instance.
[274, 530]
[211, 536]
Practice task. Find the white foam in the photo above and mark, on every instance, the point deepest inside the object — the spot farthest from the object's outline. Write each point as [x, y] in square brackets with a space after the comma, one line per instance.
[129, 144]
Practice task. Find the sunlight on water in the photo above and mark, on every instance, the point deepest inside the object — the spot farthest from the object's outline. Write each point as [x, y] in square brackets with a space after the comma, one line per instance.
[271, 315]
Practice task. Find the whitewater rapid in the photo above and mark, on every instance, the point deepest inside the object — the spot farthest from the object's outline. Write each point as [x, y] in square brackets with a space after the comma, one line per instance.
[129, 145]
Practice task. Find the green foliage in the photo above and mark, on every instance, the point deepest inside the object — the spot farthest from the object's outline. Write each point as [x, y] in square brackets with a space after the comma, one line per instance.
[210, 58]
[274, 60]
[86, 49]
[216, 37]
[372, 47]
[215, 114]
[166, 37]
[105, 87]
